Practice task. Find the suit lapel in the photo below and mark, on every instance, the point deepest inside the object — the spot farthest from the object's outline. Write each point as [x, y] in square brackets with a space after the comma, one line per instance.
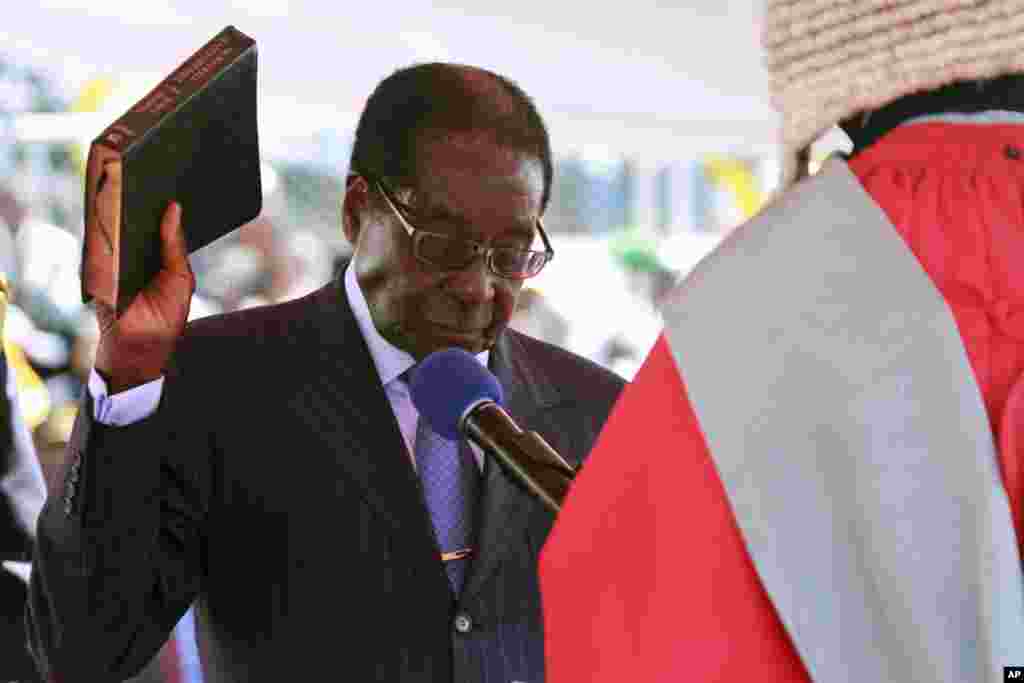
[346, 405]
[506, 507]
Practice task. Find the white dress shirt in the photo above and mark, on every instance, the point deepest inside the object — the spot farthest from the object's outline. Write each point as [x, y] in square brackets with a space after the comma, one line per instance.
[140, 402]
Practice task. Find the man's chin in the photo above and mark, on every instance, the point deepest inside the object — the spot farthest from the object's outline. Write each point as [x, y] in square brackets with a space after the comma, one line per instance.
[474, 345]
[433, 338]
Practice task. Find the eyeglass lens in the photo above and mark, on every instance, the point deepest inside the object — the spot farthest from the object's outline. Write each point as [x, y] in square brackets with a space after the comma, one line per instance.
[449, 253]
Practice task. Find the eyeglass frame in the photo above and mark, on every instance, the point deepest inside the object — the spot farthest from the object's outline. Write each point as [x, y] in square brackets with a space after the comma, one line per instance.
[480, 249]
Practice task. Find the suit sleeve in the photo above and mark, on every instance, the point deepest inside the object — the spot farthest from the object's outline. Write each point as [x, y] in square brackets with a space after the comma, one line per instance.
[645, 575]
[118, 558]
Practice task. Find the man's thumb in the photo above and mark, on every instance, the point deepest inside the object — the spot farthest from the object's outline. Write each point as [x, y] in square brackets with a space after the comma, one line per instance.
[175, 250]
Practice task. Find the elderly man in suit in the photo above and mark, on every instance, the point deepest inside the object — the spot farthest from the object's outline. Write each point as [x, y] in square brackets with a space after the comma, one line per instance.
[21, 496]
[282, 480]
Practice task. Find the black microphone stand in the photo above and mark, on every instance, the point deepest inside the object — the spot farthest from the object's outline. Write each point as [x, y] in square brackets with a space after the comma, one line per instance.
[526, 454]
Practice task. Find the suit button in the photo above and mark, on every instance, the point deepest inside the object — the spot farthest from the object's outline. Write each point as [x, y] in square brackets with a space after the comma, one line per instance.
[463, 623]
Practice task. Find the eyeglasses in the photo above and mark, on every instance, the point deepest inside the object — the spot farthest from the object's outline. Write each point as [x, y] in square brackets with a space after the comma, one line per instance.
[449, 253]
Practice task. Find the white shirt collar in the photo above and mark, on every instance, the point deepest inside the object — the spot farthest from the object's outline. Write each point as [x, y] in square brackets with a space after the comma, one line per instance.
[390, 360]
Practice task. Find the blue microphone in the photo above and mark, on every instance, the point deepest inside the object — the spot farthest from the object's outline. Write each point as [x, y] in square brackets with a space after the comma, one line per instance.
[459, 397]
[447, 385]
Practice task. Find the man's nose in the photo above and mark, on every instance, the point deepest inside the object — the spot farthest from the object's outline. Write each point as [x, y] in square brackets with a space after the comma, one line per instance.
[474, 284]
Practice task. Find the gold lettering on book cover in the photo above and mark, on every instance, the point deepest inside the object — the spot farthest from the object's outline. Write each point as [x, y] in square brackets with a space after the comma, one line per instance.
[186, 71]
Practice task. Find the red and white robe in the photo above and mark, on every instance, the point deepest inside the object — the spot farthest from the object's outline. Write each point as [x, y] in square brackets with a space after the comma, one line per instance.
[816, 472]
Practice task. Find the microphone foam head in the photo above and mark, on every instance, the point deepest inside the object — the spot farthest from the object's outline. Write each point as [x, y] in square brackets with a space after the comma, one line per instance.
[446, 384]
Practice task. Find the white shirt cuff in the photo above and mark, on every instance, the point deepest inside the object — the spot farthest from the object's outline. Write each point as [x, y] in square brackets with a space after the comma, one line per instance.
[23, 570]
[126, 407]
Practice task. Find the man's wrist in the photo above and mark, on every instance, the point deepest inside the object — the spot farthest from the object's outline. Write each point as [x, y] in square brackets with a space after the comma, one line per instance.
[121, 374]
[123, 381]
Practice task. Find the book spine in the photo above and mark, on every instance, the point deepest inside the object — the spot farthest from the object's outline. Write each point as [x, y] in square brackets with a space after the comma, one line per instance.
[175, 90]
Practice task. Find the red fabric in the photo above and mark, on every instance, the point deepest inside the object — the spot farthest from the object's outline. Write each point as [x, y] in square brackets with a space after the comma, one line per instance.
[667, 593]
[645, 576]
[169, 661]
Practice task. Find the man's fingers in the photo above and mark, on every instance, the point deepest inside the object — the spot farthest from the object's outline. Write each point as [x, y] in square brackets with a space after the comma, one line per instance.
[105, 319]
[175, 251]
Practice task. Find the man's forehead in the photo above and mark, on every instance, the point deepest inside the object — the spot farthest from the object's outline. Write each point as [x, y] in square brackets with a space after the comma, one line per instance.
[467, 149]
[454, 165]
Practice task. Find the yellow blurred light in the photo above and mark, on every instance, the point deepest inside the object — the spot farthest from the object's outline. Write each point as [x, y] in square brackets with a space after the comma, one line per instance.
[33, 396]
[91, 98]
[93, 94]
[738, 179]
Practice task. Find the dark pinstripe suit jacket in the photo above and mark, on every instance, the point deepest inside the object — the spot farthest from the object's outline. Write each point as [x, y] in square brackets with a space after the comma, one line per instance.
[273, 486]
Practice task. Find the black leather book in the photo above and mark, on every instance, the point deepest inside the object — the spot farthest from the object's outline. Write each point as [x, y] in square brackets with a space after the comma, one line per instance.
[192, 139]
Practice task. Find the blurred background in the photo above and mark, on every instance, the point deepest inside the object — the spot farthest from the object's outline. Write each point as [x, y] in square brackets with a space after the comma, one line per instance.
[663, 133]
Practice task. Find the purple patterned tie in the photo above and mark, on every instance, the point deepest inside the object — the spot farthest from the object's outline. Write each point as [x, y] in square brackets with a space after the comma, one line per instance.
[451, 482]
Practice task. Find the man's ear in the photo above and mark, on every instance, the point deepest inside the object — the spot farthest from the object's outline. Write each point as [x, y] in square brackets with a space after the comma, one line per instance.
[354, 206]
